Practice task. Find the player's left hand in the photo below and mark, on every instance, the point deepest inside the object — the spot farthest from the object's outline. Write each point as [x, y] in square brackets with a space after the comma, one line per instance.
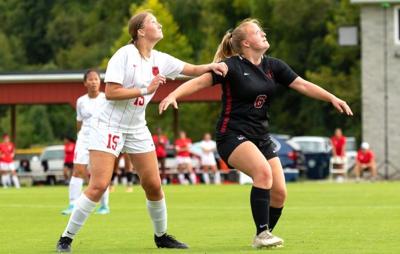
[166, 102]
[219, 68]
[341, 106]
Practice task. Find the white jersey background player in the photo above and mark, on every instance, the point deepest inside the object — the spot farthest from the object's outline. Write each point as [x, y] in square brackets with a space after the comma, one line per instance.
[133, 75]
[208, 147]
[87, 108]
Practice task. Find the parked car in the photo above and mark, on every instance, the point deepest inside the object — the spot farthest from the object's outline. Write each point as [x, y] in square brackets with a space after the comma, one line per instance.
[289, 152]
[49, 166]
[317, 153]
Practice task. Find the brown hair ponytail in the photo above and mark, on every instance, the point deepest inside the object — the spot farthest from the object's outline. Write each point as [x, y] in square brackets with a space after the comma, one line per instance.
[136, 23]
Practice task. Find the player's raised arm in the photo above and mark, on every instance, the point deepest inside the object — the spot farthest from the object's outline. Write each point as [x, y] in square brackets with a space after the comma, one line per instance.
[312, 90]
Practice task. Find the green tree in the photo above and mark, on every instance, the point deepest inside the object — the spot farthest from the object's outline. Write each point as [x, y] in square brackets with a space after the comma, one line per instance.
[341, 73]
[33, 126]
[12, 56]
[28, 21]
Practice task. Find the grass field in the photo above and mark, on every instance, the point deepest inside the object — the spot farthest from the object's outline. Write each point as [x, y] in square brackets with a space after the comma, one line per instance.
[318, 218]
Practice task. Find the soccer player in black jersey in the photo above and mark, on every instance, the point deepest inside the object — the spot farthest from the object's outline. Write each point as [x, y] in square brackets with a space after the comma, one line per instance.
[242, 129]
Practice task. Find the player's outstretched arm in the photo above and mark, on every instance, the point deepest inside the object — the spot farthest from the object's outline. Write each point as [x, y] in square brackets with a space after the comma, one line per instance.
[187, 88]
[312, 90]
[197, 70]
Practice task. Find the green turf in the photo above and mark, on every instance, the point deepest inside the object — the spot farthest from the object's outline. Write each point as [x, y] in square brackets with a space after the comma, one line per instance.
[318, 218]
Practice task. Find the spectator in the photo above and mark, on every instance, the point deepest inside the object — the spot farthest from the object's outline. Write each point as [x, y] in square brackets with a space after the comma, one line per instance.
[365, 161]
[7, 167]
[161, 142]
[338, 142]
[69, 150]
[183, 159]
[208, 147]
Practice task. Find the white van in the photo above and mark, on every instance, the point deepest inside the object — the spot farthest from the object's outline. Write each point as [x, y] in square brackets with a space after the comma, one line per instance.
[49, 166]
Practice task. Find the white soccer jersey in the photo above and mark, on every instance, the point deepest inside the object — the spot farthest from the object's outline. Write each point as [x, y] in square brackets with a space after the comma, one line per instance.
[208, 158]
[128, 68]
[87, 110]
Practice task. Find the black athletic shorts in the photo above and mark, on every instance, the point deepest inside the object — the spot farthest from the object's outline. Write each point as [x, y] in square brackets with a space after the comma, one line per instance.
[228, 142]
[69, 165]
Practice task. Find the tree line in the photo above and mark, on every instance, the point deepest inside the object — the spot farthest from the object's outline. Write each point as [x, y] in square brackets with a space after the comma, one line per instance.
[46, 35]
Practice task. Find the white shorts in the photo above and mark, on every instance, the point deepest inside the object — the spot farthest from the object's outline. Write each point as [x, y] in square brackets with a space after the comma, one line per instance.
[116, 142]
[7, 166]
[81, 155]
[208, 161]
[183, 160]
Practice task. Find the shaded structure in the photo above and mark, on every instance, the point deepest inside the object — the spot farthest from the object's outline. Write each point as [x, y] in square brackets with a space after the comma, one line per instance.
[65, 88]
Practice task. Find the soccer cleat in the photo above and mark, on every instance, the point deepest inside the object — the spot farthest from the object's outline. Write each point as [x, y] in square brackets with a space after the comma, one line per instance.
[265, 239]
[129, 189]
[69, 210]
[168, 241]
[103, 210]
[64, 244]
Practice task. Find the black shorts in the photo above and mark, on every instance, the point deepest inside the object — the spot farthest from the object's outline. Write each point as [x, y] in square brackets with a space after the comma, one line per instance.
[69, 165]
[228, 142]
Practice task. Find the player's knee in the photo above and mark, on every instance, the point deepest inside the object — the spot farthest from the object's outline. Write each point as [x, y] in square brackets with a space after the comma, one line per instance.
[279, 196]
[97, 189]
[152, 188]
[262, 174]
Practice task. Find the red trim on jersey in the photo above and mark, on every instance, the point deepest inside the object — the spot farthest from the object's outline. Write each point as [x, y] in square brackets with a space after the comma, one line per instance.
[228, 108]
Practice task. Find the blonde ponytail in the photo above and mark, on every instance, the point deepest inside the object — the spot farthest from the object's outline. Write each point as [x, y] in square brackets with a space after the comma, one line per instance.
[225, 49]
[231, 43]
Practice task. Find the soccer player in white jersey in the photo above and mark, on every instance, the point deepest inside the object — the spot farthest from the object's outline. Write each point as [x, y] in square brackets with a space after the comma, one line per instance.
[87, 108]
[133, 75]
[208, 147]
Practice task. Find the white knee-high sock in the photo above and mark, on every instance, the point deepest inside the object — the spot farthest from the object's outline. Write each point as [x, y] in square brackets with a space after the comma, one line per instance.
[206, 178]
[158, 214]
[105, 198]
[217, 178]
[84, 206]
[4, 181]
[181, 178]
[193, 178]
[75, 189]
[16, 181]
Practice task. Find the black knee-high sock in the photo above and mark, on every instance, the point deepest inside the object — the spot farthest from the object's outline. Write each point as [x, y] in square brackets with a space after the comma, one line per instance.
[274, 215]
[129, 177]
[259, 200]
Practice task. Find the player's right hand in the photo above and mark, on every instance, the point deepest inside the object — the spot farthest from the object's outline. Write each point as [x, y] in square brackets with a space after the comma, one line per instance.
[166, 102]
[156, 82]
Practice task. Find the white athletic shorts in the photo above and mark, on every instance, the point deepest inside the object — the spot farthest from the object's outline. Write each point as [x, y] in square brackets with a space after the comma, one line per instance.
[114, 142]
[7, 166]
[82, 149]
[208, 161]
[183, 160]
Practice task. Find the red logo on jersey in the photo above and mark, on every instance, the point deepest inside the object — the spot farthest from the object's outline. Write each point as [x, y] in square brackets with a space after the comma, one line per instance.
[155, 70]
[260, 100]
[269, 74]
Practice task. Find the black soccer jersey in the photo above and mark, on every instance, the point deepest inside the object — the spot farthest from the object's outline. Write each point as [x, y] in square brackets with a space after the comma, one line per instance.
[247, 90]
